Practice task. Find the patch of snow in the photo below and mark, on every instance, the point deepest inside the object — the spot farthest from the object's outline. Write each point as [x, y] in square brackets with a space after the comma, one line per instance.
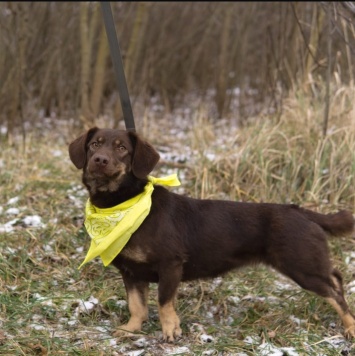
[351, 286]
[235, 300]
[72, 322]
[48, 302]
[100, 329]
[47, 248]
[13, 201]
[142, 342]
[337, 342]
[33, 221]
[280, 285]
[121, 303]
[267, 349]
[134, 353]
[86, 306]
[179, 350]
[112, 342]
[210, 156]
[12, 211]
[78, 203]
[57, 153]
[37, 327]
[290, 351]
[196, 327]
[208, 352]
[297, 321]
[206, 338]
[8, 227]
[215, 283]
[37, 317]
[11, 250]
[252, 340]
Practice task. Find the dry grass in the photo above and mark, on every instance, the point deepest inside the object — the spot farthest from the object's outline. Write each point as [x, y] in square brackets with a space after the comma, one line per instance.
[274, 159]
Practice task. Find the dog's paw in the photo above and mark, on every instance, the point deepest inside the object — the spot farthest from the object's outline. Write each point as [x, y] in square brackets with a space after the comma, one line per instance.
[171, 331]
[128, 330]
[350, 332]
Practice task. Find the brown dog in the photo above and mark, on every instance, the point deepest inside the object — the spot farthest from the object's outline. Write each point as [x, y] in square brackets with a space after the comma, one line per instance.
[185, 239]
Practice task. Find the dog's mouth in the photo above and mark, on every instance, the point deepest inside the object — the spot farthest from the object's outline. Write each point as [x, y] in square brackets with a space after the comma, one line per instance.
[103, 174]
[103, 180]
[110, 171]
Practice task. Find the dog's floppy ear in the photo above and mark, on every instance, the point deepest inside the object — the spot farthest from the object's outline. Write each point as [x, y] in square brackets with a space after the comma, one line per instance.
[145, 157]
[77, 149]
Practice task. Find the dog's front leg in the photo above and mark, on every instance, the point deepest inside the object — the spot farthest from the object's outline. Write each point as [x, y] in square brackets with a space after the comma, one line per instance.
[137, 295]
[169, 279]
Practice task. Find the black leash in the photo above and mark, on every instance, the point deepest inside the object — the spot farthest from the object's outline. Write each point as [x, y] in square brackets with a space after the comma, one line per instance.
[118, 65]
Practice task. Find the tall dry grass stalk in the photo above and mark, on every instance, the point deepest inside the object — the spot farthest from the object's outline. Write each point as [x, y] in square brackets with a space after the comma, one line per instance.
[283, 159]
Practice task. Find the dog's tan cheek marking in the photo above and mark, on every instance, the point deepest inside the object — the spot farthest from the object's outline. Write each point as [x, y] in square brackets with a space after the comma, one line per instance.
[347, 318]
[139, 314]
[170, 321]
[114, 184]
[117, 142]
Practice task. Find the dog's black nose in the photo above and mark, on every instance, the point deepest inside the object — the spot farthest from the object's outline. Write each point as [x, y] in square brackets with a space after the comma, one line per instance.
[101, 160]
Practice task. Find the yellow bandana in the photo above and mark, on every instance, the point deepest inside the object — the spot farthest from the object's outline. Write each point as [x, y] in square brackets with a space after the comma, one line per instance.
[110, 229]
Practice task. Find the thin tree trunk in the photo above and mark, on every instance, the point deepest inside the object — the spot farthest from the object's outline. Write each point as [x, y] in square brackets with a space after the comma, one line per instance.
[99, 73]
[221, 87]
[85, 64]
[133, 52]
[348, 51]
[329, 74]
[16, 111]
[135, 42]
[317, 24]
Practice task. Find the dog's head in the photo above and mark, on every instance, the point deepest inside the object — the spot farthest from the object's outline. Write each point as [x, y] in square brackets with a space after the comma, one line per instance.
[107, 156]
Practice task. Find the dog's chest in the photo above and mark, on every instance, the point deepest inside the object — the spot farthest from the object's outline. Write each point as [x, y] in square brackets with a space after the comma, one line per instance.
[134, 253]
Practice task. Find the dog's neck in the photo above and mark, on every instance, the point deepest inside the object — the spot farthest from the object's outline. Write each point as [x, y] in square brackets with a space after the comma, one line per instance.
[127, 189]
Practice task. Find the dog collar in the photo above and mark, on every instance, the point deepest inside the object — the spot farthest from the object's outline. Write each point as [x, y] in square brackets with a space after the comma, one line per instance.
[110, 229]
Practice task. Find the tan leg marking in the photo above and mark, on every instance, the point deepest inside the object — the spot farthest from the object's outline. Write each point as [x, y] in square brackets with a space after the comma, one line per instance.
[170, 322]
[346, 317]
[139, 314]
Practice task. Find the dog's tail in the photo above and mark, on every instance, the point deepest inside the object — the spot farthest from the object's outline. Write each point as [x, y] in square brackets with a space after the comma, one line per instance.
[337, 224]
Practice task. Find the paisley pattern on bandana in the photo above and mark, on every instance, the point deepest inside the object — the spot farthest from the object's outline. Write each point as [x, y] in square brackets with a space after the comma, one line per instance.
[110, 229]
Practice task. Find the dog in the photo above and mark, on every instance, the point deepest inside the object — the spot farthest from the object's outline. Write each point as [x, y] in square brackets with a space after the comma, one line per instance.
[184, 239]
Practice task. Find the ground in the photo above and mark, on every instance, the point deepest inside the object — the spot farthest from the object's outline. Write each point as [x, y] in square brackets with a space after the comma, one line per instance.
[49, 307]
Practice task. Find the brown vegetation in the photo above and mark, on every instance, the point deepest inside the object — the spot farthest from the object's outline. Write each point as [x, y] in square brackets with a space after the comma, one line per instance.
[55, 58]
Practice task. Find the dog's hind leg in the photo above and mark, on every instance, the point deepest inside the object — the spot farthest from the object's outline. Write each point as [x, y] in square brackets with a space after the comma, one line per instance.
[339, 303]
[330, 287]
[137, 295]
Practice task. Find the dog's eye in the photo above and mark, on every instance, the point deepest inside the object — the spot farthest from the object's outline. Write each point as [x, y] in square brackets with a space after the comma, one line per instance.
[94, 145]
[121, 148]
